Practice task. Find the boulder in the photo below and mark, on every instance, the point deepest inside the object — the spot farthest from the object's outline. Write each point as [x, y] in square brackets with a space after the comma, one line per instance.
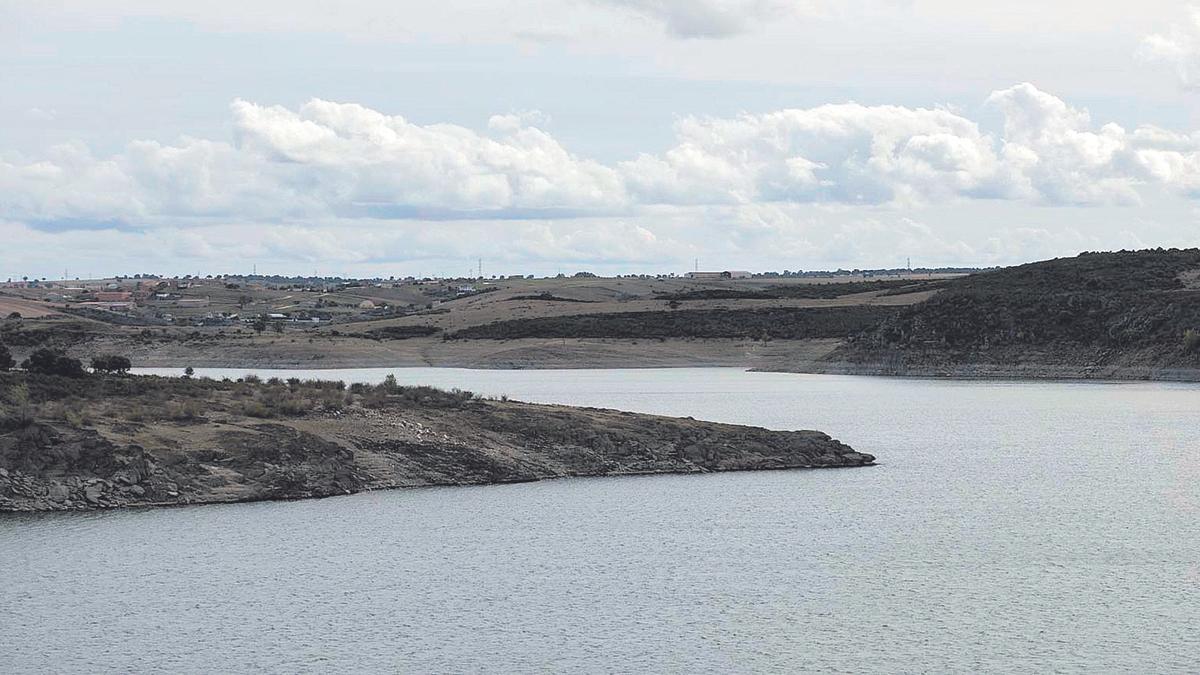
[93, 492]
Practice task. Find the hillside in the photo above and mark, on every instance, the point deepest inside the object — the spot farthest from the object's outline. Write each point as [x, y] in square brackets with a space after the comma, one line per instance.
[783, 323]
[1095, 314]
[519, 323]
[107, 441]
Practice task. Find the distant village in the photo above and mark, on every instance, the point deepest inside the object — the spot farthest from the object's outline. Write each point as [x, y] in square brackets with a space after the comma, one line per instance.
[230, 300]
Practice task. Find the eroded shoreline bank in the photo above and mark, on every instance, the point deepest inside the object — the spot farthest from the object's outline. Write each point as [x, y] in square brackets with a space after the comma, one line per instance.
[818, 356]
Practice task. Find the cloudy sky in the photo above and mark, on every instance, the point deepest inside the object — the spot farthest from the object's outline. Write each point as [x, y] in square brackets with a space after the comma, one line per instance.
[392, 137]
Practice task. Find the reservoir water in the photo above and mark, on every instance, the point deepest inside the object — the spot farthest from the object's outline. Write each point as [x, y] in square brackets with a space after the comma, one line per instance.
[1010, 527]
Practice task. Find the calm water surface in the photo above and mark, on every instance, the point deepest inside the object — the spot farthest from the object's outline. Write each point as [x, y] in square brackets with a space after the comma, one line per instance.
[1012, 527]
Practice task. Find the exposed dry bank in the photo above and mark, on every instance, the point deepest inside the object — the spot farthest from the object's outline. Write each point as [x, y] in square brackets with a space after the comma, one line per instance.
[109, 441]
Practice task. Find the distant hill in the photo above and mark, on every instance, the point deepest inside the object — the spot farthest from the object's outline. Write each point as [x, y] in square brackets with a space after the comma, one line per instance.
[1130, 308]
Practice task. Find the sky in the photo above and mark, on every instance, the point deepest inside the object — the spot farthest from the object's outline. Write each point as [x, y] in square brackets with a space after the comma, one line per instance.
[397, 138]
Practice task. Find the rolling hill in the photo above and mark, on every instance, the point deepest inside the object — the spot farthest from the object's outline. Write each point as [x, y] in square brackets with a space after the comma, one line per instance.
[1097, 313]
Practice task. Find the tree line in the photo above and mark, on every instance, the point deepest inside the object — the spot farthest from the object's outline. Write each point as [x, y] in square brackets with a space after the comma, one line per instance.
[53, 362]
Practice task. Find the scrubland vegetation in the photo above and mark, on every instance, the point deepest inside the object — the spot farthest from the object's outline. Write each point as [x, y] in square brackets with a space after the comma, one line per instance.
[1127, 299]
[803, 291]
[779, 323]
[1136, 308]
[145, 398]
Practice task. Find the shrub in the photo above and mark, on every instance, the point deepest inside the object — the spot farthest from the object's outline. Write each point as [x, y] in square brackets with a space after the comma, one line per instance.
[77, 416]
[6, 359]
[256, 409]
[20, 413]
[72, 411]
[1191, 340]
[183, 411]
[333, 400]
[50, 362]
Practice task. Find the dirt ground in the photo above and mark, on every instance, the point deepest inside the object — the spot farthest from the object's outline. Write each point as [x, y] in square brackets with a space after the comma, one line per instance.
[30, 309]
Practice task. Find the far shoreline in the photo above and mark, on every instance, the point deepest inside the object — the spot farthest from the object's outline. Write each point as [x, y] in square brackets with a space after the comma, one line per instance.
[962, 373]
[812, 356]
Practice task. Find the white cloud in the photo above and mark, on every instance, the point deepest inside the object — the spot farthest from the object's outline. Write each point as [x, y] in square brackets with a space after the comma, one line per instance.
[1178, 48]
[321, 160]
[845, 153]
[330, 160]
[354, 155]
[1048, 153]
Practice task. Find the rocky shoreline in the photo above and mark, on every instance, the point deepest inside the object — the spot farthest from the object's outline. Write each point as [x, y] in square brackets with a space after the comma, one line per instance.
[373, 440]
[997, 371]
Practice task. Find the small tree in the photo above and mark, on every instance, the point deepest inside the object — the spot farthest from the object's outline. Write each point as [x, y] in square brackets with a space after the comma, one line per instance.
[22, 413]
[6, 359]
[260, 323]
[390, 384]
[189, 371]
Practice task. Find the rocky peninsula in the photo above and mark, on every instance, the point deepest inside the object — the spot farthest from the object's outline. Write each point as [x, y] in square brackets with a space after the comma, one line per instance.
[102, 441]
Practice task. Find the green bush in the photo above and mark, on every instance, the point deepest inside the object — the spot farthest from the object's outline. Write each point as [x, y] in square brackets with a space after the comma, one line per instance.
[6, 359]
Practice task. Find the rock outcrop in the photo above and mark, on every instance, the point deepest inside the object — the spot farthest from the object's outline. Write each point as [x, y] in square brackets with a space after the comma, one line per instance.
[224, 456]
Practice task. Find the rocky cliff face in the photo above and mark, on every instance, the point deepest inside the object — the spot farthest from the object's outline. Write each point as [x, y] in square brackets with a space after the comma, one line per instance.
[223, 456]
